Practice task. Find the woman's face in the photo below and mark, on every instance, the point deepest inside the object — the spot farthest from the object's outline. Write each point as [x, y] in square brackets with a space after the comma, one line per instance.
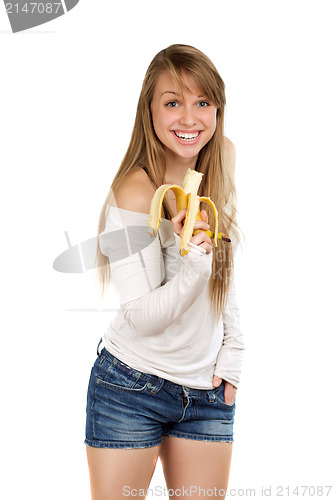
[183, 124]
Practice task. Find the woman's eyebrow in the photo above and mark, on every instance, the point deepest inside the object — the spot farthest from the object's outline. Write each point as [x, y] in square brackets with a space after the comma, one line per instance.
[175, 93]
[169, 92]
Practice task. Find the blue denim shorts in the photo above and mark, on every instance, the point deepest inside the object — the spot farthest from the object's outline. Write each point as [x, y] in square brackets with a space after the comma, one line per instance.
[127, 408]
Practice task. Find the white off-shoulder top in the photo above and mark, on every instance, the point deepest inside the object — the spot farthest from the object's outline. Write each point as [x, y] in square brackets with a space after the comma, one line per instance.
[165, 325]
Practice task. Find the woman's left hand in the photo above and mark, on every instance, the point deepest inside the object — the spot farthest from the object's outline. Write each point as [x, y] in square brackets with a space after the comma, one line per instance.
[229, 390]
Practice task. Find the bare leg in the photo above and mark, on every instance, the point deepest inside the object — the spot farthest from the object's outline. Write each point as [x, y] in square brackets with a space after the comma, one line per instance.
[114, 471]
[188, 462]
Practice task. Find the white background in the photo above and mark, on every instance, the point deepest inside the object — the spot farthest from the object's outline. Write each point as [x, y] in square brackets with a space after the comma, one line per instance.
[69, 91]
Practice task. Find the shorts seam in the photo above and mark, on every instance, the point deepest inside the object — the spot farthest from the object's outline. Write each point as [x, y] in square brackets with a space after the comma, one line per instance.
[93, 400]
[114, 444]
[108, 385]
[128, 369]
[197, 437]
[219, 400]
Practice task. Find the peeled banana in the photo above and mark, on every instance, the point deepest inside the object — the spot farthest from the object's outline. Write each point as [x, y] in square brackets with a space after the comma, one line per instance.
[186, 198]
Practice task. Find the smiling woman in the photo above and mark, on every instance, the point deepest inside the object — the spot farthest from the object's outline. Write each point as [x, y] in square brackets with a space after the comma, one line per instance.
[165, 383]
[187, 120]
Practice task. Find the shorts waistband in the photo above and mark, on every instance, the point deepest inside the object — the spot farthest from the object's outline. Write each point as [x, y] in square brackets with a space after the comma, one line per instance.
[167, 384]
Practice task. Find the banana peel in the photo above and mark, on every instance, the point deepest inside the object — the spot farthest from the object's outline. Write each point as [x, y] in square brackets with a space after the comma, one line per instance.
[186, 198]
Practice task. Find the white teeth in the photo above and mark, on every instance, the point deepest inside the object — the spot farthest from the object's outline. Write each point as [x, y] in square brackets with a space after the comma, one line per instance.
[188, 137]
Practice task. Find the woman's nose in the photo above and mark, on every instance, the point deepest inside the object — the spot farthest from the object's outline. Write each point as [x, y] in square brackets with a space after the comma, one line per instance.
[187, 117]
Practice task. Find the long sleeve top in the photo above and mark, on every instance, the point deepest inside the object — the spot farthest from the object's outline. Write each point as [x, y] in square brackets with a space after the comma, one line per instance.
[165, 325]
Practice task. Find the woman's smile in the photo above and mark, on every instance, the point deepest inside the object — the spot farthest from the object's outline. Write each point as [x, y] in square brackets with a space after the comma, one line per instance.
[187, 138]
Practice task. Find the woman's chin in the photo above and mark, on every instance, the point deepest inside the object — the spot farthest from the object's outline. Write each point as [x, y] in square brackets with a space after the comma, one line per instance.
[183, 153]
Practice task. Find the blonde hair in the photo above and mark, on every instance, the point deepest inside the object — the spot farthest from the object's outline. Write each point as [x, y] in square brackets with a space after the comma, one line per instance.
[145, 149]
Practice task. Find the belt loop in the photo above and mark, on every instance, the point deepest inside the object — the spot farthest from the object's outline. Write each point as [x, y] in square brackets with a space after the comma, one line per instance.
[98, 353]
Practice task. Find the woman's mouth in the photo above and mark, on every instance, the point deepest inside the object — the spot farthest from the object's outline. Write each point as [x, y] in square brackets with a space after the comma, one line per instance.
[187, 137]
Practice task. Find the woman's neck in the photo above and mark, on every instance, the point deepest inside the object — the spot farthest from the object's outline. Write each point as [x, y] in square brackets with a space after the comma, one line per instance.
[176, 167]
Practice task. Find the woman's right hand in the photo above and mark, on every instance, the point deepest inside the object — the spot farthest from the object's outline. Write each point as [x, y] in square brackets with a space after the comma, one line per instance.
[201, 239]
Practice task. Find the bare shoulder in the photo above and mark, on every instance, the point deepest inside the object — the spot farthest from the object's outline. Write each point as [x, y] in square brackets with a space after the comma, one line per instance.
[230, 149]
[230, 155]
[135, 192]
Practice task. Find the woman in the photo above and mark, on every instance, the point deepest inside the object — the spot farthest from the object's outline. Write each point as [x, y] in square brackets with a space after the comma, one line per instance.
[165, 383]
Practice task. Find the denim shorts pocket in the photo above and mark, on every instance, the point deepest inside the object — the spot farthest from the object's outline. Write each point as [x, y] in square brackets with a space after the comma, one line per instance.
[219, 396]
[113, 374]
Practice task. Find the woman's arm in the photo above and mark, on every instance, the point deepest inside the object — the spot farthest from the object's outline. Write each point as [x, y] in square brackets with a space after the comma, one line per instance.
[148, 307]
[153, 312]
[230, 356]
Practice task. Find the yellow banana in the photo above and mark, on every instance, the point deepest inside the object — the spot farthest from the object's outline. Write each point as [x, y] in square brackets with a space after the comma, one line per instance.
[186, 198]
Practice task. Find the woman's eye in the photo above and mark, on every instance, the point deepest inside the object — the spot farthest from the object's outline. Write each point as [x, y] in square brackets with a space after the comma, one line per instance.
[173, 104]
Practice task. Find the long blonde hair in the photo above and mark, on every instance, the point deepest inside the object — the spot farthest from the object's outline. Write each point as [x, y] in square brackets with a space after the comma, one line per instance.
[145, 149]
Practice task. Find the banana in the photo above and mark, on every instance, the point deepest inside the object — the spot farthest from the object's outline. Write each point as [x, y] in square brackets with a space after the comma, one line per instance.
[186, 198]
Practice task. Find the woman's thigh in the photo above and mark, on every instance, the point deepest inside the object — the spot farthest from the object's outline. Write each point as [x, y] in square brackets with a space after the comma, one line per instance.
[122, 439]
[129, 411]
[197, 449]
[119, 473]
[189, 465]
[123, 409]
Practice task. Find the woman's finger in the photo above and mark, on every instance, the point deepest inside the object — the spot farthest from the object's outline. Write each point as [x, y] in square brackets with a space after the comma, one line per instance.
[216, 381]
[177, 221]
[204, 215]
[202, 237]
